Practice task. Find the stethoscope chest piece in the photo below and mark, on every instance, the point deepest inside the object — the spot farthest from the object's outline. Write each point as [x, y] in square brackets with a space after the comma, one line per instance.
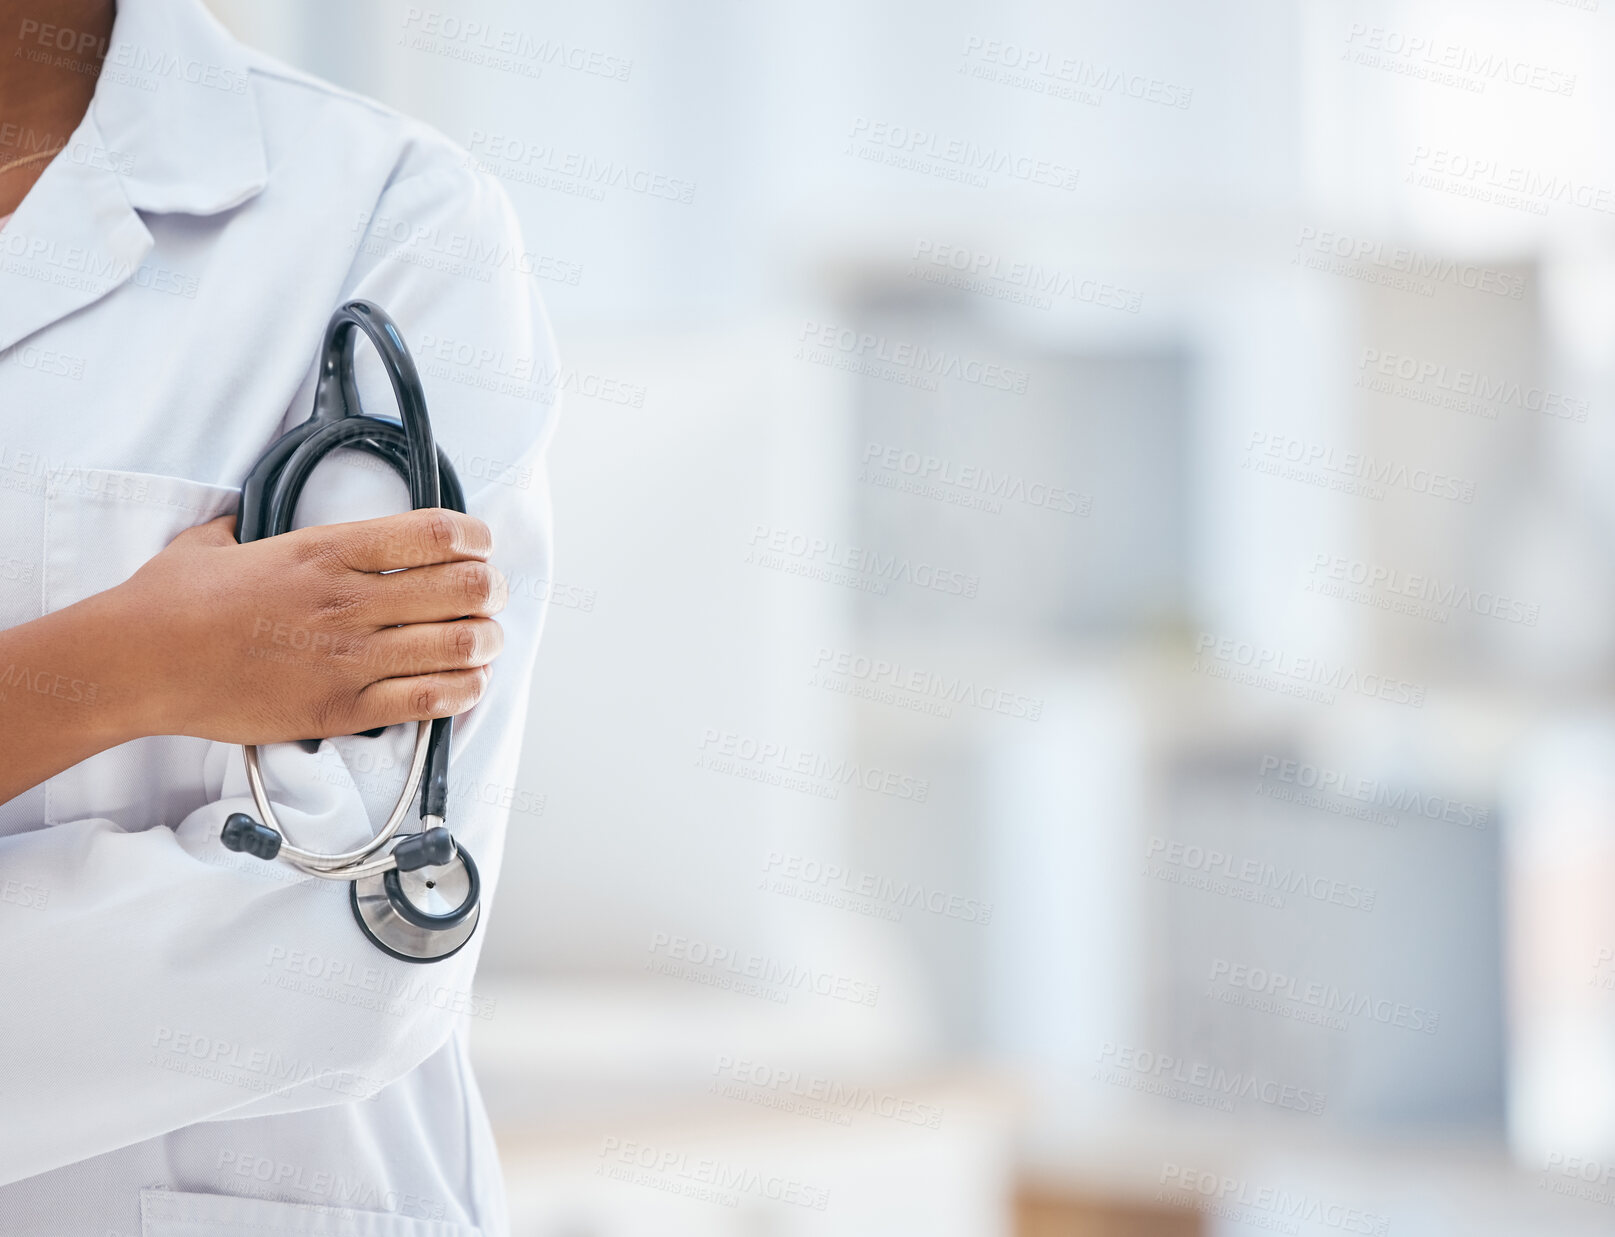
[422, 915]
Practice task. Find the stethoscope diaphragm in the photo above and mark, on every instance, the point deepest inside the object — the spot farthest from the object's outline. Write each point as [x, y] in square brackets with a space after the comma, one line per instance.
[421, 915]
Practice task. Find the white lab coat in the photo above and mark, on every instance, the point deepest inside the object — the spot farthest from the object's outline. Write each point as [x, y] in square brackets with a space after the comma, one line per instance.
[193, 1042]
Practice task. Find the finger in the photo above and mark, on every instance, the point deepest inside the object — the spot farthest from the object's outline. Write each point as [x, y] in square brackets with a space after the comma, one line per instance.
[427, 648]
[413, 539]
[219, 531]
[419, 698]
[436, 594]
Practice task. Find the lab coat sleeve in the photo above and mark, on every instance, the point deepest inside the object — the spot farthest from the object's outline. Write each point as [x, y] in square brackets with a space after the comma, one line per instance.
[152, 980]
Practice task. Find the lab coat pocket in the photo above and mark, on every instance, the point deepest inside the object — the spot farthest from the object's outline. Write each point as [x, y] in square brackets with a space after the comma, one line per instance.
[100, 527]
[169, 1213]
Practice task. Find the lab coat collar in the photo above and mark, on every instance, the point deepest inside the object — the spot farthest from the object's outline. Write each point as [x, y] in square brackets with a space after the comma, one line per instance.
[173, 129]
[175, 99]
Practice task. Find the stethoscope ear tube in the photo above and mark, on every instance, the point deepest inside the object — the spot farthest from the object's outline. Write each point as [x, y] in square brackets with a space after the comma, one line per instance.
[420, 867]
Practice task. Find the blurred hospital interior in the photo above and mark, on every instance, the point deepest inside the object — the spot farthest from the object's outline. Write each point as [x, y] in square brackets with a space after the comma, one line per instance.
[1078, 697]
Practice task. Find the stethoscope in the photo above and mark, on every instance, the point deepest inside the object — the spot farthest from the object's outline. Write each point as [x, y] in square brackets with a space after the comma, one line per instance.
[416, 896]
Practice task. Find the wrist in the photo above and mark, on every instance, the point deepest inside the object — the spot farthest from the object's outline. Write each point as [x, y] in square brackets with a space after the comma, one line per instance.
[115, 668]
[65, 694]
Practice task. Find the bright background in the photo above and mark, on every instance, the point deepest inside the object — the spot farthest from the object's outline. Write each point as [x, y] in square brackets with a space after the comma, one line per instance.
[1247, 433]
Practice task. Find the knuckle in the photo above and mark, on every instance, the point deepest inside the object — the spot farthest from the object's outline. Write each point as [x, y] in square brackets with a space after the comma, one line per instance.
[501, 589]
[478, 583]
[439, 532]
[331, 711]
[349, 648]
[463, 642]
[317, 551]
[323, 544]
[423, 701]
[337, 600]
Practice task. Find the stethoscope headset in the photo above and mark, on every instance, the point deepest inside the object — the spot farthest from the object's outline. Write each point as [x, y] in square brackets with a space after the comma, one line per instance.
[417, 896]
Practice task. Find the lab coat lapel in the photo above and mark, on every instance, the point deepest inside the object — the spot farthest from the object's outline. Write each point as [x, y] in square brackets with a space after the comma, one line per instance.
[173, 129]
[74, 238]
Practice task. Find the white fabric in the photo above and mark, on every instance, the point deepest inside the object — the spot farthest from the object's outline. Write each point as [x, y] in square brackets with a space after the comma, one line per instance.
[192, 1041]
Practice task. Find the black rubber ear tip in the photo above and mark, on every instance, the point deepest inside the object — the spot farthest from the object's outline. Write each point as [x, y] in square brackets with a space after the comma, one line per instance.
[431, 849]
[243, 834]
